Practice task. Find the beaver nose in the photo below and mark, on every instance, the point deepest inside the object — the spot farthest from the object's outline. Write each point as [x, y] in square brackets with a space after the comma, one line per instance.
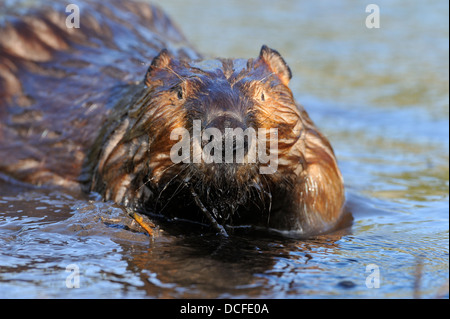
[234, 143]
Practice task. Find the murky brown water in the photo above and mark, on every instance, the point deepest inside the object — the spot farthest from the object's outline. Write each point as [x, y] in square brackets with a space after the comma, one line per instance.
[381, 95]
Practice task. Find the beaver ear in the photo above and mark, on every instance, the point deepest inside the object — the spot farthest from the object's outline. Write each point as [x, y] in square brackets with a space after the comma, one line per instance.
[161, 61]
[276, 63]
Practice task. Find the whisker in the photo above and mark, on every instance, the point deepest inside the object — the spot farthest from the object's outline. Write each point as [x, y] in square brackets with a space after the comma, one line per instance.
[181, 185]
[269, 193]
[162, 172]
[167, 185]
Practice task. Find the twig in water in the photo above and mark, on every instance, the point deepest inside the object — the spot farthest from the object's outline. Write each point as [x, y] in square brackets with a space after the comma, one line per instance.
[205, 211]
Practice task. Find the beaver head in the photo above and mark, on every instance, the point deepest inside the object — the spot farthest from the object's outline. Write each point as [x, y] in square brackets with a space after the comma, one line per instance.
[222, 137]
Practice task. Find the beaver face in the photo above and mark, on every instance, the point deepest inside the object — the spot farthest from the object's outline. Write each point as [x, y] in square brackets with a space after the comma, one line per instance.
[225, 137]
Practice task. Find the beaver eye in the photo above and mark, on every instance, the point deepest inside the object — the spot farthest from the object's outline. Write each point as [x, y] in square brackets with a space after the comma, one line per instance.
[178, 90]
[180, 94]
[260, 94]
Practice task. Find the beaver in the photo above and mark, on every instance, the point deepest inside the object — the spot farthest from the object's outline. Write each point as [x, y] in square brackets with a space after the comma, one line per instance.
[81, 108]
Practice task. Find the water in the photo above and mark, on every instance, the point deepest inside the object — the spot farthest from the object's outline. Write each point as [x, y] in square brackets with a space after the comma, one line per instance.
[380, 95]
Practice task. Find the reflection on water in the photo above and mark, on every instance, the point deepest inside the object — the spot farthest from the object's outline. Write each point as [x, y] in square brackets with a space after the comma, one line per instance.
[381, 95]
[50, 231]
